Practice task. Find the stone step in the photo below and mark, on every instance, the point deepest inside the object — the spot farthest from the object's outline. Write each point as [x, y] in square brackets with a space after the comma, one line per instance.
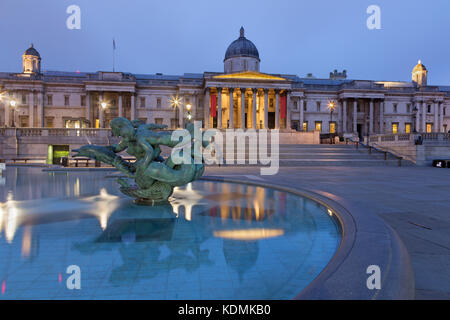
[331, 163]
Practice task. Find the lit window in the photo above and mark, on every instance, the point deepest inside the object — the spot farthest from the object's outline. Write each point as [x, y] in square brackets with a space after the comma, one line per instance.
[305, 126]
[319, 126]
[332, 127]
[407, 127]
[429, 127]
[395, 128]
[97, 123]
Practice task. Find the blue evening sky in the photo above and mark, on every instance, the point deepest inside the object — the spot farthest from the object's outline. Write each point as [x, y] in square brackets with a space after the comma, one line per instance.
[178, 36]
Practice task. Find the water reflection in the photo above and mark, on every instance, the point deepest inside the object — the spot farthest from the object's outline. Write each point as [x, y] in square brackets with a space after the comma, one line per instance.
[248, 240]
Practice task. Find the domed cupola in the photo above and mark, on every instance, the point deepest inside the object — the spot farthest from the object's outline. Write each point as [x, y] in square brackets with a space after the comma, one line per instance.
[419, 74]
[241, 55]
[31, 61]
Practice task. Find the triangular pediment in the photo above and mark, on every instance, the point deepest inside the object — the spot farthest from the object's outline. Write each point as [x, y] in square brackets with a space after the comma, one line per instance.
[249, 75]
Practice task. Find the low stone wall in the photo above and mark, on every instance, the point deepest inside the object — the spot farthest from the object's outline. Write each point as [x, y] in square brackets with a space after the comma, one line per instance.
[434, 146]
[33, 143]
[312, 137]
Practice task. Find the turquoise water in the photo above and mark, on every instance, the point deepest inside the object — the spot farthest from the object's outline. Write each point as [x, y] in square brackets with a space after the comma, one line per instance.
[214, 241]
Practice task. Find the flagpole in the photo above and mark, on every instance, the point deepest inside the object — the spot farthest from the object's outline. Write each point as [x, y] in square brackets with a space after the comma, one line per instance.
[114, 55]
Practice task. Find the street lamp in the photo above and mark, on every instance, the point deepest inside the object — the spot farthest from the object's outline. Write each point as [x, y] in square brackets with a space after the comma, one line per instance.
[13, 104]
[175, 102]
[104, 104]
[188, 108]
[331, 107]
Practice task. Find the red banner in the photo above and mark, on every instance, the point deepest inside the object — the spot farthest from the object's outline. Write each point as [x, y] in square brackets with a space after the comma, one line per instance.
[283, 107]
[213, 108]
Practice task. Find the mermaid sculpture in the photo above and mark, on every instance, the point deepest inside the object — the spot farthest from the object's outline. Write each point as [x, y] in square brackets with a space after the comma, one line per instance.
[155, 177]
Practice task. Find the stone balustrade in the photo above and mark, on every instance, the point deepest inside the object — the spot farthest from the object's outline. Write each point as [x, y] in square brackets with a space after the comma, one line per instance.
[410, 138]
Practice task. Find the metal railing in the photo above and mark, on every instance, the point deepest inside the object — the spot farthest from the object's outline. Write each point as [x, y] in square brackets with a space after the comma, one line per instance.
[380, 149]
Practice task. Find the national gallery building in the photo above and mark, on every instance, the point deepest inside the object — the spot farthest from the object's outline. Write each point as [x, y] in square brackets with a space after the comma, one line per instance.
[239, 97]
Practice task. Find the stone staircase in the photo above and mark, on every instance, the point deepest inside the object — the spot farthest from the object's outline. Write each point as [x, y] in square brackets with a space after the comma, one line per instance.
[291, 155]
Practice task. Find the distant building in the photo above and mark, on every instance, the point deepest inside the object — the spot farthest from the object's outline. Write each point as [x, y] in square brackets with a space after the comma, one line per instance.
[240, 97]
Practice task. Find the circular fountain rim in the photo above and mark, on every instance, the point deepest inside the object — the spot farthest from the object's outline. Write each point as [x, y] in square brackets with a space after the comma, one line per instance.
[338, 279]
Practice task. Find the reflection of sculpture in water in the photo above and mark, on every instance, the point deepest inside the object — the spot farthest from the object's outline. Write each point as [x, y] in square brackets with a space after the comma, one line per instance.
[155, 176]
[149, 246]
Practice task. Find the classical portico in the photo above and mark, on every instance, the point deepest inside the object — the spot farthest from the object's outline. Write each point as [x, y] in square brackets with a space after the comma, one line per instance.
[246, 100]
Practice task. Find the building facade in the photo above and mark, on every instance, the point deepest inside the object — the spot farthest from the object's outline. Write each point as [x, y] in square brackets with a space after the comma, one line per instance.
[239, 97]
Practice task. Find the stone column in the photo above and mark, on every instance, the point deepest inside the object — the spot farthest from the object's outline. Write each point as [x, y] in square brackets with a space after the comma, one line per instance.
[242, 108]
[424, 117]
[31, 109]
[255, 91]
[181, 113]
[133, 107]
[382, 116]
[441, 117]
[266, 108]
[206, 103]
[120, 105]
[302, 113]
[7, 112]
[88, 108]
[436, 117]
[277, 109]
[355, 116]
[288, 110]
[219, 108]
[417, 105]
[344, 116]
[100, 110]
[41, 112]
[231, 107]
[371, 116]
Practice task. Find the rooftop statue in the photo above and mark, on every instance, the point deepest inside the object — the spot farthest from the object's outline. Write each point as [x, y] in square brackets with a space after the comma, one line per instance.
[154, 176]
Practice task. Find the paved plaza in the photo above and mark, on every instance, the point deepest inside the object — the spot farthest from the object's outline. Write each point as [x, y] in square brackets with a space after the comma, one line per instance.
[414, 201]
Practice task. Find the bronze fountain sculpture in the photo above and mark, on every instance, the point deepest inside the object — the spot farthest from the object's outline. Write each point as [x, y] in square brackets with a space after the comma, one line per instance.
[154, 176]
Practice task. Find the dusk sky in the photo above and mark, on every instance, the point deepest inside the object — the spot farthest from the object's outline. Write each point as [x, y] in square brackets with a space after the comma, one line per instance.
[179, 36]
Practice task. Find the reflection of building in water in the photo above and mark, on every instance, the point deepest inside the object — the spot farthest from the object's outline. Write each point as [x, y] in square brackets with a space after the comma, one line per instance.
[15, 214]
[185, 197]
[240, 255]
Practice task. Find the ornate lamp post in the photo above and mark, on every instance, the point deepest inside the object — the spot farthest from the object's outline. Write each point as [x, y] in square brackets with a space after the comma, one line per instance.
[189, 115]
[175, 103]
[331, 107]
[13, 104]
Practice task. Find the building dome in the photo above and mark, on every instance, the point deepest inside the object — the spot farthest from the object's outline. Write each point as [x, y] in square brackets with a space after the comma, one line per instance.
[241, 55]
[242, 47]
[31, 61]
[31, 51]
[420, 74]
[419, 67]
